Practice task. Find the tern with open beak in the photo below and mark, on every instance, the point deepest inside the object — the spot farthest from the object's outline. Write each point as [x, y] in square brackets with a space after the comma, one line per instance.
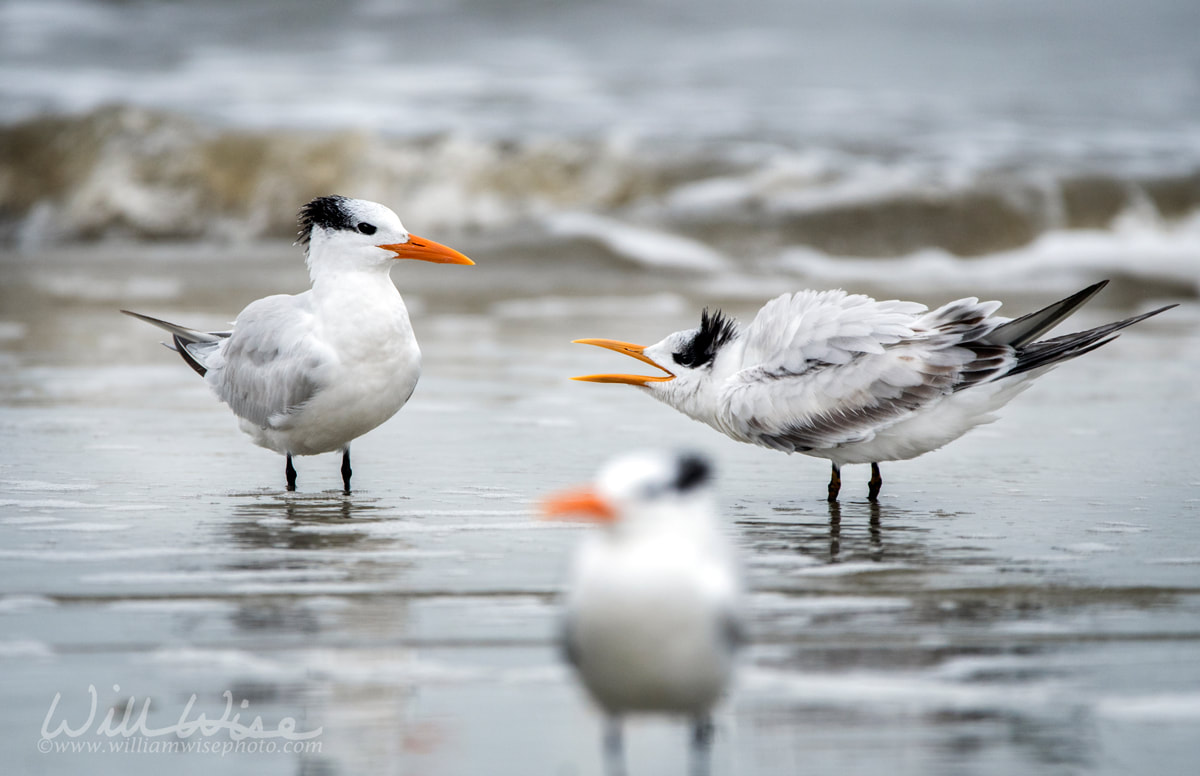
[309, 373]
[652, 609]
[843, 377]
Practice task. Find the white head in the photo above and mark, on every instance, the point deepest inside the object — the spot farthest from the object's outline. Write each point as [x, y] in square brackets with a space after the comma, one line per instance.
[340, 234]
[645, 491]
[689, 359]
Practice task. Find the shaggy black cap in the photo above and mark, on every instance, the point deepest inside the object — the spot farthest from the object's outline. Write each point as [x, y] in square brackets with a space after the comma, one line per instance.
[715, 330]
[325, 212]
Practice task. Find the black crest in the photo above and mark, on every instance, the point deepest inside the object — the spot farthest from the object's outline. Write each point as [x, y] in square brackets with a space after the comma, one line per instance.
[325, 212]
[693, 472]
[715, 330]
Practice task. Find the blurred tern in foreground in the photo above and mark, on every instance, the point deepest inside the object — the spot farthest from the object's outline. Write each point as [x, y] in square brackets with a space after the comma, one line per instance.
[309, 373]
[844, 377]
[652, 608]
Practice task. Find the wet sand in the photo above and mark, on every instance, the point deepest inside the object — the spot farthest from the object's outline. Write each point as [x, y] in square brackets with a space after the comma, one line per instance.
[1027, 600]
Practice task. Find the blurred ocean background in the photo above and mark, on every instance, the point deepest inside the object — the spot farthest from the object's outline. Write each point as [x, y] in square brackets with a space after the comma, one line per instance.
[1025, 601]
[1056, 140]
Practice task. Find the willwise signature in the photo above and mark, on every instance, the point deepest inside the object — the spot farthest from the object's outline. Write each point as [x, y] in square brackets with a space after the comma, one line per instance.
[130, 725]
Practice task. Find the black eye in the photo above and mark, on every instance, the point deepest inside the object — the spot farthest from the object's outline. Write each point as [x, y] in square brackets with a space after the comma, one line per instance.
[684, 359]
[366, 228]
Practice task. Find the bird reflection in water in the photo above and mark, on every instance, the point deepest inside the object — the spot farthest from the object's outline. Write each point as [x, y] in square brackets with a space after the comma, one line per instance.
[269, 519]
[843, 532]
[874, 531]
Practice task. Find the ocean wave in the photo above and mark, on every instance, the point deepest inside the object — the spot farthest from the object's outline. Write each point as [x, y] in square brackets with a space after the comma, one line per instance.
[129, 173]
[639, 245]
[1150, 259]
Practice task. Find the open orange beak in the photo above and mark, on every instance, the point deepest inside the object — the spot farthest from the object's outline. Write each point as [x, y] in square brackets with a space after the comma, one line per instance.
[426, 250]
[579, 504]
[636, 351]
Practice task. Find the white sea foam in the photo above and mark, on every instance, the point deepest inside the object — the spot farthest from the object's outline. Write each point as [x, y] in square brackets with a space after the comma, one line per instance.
[1163, 707]
[34, 519]
[136, 507]
[1088, 548]
[174, 606]
[974, 667]
[1059, 261]
[90, 288]
[73, 383]
[24, 648]
[775, 560]
[920, 692]
[369, 667]
[233, 661]
[404, 527]
[849, 569]
[647, 247]
[24, 603]
[1117, 527]
[210, 576]
[44, 503]
[77, 527]
[39, 486]
[558, 307]
[821, 605]
[12, 330]
[407, 670]
[97, 555]
[1177, 561]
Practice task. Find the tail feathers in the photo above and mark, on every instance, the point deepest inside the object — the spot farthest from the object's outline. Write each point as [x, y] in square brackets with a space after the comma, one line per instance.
[183, 350]
[1058, 349]
[183, 332]
[1021, 331]
[191, 344]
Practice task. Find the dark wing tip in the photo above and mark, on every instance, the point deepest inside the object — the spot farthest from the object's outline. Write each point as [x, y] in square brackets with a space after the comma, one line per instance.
[181, 348]
[1024, 330]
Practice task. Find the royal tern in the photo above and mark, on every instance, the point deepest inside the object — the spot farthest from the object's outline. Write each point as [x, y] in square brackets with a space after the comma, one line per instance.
[309, 373]
[843, 377]
[652, 612]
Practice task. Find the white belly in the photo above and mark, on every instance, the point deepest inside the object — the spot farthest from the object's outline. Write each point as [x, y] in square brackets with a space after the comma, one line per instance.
[646, 642]
[356, 401]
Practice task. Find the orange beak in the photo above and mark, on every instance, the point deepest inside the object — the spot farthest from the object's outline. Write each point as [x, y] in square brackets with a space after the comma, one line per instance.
[581, 503]
[426, 250]
[635, 351]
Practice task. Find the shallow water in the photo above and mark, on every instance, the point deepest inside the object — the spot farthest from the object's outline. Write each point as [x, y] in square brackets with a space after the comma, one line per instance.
[1027, 600]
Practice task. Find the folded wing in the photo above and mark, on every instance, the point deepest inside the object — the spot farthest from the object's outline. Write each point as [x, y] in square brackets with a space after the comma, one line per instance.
[272, 364]
[822, 369]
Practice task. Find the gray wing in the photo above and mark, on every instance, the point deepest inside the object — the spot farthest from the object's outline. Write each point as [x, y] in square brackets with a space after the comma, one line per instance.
[273, 363]
[846, 367]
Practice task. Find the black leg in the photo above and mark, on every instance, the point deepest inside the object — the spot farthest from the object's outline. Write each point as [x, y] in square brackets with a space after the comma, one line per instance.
[290, 471]
[346, 470]
[835, 483]
[614, 748]
[876, 483]
[702, 738]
